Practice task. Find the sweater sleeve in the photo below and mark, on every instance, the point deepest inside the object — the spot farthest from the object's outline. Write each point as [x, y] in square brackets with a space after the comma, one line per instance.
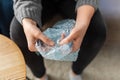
[28, 9]
[93, 3]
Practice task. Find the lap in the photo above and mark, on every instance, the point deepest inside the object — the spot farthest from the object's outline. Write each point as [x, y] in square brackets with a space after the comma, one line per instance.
[17, 33]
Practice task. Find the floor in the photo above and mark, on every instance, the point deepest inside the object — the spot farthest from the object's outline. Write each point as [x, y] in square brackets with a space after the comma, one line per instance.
[106, 65]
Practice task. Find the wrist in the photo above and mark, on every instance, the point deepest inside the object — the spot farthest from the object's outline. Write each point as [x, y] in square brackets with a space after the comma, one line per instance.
[81, 29]
[80, 26]
[28, 21]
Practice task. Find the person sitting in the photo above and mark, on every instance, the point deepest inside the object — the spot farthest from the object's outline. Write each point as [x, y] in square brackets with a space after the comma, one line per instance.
[88, 34]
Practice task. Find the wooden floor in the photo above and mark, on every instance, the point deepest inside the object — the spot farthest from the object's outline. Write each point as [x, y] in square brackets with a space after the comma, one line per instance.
[106, 65]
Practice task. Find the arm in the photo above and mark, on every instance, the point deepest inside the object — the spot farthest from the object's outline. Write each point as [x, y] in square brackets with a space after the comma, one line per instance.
[28, 9]
[84, 15]
[28, 13]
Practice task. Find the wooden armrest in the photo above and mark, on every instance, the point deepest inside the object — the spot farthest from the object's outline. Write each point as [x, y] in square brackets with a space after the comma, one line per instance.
[12, 64]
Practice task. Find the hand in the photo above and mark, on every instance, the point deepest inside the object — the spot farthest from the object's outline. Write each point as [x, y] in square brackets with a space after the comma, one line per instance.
[33, 34]
[75, 37]
[84, 15]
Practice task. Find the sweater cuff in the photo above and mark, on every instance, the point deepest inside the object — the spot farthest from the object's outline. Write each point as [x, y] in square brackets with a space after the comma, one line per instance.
[27, 13]
[93, 3]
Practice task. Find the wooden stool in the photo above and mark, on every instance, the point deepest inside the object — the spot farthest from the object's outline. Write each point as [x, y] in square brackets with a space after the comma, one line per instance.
[12, 64]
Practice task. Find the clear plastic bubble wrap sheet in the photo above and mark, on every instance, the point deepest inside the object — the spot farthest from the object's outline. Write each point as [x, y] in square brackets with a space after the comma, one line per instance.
[57, 52]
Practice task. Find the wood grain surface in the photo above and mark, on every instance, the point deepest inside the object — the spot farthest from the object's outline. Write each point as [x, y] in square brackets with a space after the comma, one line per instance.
[12, 64]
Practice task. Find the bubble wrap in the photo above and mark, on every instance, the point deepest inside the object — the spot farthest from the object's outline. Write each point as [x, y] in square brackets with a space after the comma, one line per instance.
[57, 52]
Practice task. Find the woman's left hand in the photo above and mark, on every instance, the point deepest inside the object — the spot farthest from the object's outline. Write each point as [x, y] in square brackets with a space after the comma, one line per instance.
[75, 37]
[84, 15]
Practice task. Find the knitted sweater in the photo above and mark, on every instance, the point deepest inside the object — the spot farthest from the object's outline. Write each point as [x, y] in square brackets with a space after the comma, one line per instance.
[32, 8]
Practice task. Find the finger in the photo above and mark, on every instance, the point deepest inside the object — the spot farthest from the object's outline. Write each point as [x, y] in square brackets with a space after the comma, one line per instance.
[31, 45]
[62, 36]
[67, 39]
[46, 40]
[76, 45]
[42, 37]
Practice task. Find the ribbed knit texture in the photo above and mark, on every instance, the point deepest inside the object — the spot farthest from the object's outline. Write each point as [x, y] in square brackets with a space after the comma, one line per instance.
[93, 3]
[32, 8]
[28, 9]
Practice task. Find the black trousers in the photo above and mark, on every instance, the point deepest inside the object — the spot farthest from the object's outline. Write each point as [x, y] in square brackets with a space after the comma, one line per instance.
[92, 42]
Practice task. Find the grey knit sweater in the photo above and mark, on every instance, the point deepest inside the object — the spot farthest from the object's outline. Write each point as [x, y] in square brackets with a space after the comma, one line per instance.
[32, 8]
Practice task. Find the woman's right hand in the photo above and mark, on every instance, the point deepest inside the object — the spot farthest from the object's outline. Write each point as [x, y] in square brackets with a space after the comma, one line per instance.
[33, 34]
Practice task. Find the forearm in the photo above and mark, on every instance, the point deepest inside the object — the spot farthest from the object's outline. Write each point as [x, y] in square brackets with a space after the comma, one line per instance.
[84, 15]
[28, 21]
[85, 10]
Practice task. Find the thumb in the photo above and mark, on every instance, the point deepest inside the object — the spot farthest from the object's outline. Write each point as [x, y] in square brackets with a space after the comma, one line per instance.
[66, 40]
